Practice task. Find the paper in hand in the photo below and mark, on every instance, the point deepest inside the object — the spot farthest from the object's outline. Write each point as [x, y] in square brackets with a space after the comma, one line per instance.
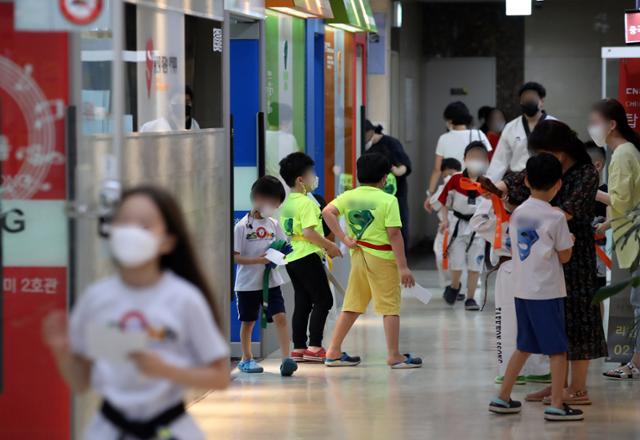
[112, 344]
[276, 257]
[418, 292]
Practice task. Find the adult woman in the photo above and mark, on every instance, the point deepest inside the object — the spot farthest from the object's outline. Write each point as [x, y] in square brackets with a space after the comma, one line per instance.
[495, 125]
[608, 126]
[453, 143]
[378, 142]
[576, 199]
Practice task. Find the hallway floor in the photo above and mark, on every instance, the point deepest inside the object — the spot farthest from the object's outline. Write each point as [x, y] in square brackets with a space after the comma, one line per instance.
[446, 399]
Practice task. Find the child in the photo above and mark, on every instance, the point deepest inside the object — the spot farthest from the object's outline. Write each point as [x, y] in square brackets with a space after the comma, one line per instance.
[449, 167]
[378, 263]
[161, 293]
[541, 244]
[536, 370]
[253, 235]
[465, 249]
[300, 217]
[601, 222]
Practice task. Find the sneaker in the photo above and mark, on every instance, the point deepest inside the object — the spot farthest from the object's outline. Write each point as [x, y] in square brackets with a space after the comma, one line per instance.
[542, 378]
[311, 356]
[499, 406]
[564, 414]
[450, 295]
[250, 366]
[288, 367]
[297, 356]
[461, 297]
[471, 305]
[520, 380]
[343, 361]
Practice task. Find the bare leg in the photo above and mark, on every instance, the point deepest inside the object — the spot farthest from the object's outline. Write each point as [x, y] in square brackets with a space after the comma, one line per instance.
[517, 361]
[558, 371]
[455, 278]
[246, 328]
[392, 333]
[344, 324]
[472, 283]
[579, 371]
[283, 333]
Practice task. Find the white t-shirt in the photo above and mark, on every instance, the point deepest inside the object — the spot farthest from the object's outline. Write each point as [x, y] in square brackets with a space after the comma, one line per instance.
[512, 151]
[453, 143]
[538, 232]
[252, 238]
[182, 331]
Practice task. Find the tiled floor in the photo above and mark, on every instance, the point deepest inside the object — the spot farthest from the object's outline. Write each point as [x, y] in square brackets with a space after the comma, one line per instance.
[446, 399]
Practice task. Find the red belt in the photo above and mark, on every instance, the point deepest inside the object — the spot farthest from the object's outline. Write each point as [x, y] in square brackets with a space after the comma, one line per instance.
[377, 247]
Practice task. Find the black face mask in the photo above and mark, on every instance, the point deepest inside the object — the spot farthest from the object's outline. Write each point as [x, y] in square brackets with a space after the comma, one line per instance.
[187, 111]
[530, 108]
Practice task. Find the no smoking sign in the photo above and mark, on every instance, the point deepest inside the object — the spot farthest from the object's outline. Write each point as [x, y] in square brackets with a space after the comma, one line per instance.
[81, 12]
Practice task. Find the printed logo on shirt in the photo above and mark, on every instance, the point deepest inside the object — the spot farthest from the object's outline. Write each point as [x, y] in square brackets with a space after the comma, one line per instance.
[287, 225]
[260, 233]
[135, 321]
[359, 221]
[526, 240]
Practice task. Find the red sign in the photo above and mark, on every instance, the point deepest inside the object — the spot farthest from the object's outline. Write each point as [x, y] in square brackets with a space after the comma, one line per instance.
[81, 12]
[34, 401]
[629, 90]
[632, 27]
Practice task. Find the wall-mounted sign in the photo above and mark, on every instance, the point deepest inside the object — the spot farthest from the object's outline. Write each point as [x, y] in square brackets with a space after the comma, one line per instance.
[61, 15]
[632, 27]
[81, 12]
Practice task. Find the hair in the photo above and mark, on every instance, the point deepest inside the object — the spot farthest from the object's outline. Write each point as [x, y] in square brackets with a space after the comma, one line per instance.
[377, 129]
[475, 145]
[182, 259]
[450, 163]
[458, 113]
[533, 86]
[543, 171]
[557, 137]
[612, 110]
[484, 111]
[188, 91]
[268, 186]
[595, 152]
[293, 166]
[372, 168]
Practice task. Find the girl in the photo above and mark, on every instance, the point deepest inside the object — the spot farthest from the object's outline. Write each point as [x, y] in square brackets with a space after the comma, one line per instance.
[609, 126]
[160, 292]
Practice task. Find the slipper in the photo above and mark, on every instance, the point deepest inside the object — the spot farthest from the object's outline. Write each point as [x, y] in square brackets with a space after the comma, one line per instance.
[343, 361]
[631, 373]
[409, 362]
[577, 399]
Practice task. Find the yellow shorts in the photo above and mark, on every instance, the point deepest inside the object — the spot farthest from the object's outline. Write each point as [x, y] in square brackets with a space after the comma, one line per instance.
[372, 277]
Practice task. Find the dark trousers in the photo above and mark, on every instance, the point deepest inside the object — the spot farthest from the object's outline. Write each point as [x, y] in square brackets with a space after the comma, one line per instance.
[313, 300]
[404, 216]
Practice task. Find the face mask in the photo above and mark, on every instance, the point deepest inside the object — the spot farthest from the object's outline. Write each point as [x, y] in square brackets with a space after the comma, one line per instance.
[368, 144]
[476, 167]
[187, 111]
[446, 179]
[267, 211]
[311, 187]
[133, 246]
[599, 134]
[530, 108]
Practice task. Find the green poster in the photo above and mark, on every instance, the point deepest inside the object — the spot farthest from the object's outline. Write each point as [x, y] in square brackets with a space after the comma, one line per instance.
[285, 50]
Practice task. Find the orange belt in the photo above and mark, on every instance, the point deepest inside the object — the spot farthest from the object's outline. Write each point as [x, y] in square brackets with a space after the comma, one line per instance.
[501, 214]
[445, 257]
[377, 247]
[602, 254]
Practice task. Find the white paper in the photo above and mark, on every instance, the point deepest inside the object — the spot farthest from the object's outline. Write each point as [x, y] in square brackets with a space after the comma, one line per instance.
[418, 292]
[113, 344]
[276, 257]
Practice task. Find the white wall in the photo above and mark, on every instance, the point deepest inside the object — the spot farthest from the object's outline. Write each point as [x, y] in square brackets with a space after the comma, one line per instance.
[562, 51]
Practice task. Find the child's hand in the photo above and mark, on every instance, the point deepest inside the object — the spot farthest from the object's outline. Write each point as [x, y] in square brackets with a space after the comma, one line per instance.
[350, 242]
[262, 259]
[573, 238]
[443, 226]
[333, 251]
[55, 332]
[406, 278]
[602, 228]
[427, 205]
[150, 364]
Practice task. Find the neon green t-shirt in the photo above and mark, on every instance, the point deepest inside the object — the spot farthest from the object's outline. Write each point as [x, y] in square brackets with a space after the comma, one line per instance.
[391, 187]
[298, 213]
[369, 211]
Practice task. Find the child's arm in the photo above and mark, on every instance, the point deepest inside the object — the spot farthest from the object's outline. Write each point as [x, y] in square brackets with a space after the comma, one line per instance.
[397, 244]
[214, 376]
[565, 255]
[75, 370]
[603, 197]
[330, 214]
[444, 224]
[317, 239]
[239, 259]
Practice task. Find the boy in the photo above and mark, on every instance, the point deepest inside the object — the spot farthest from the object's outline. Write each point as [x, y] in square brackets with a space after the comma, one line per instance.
[378, 263]
[253, 235]
[601, 221]
[541, 243]
[449, 167]
[465, 248]
[301, 220]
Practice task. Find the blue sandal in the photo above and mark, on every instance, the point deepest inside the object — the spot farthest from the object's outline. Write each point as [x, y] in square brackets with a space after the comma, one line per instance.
[343, 361]
[409, 362]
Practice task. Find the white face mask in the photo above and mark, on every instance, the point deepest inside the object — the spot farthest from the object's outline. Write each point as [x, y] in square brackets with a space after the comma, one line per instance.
[368, 144]
[267, 211]
[476, 167]
[599, 134]
[446, 179]
[313, 185]
[133, 246]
